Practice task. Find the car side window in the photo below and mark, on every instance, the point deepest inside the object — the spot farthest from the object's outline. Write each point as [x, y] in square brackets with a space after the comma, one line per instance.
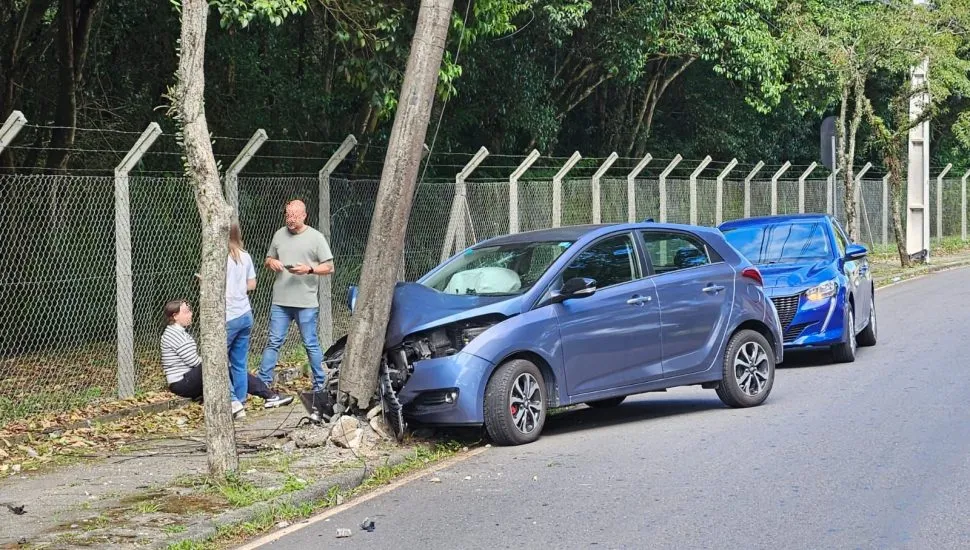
[674, 251]
[609, 262]
[840, 240]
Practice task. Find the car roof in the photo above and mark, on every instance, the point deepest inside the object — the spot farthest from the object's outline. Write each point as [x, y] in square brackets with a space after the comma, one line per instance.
[773, 220]
[574, 233]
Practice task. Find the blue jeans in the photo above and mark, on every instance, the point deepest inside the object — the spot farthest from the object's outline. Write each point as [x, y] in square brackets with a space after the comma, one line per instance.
[238, 331]
[280, 318]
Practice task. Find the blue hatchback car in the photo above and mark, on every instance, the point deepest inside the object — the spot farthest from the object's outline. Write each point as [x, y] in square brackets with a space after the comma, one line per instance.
[818, 279]
[516, 325]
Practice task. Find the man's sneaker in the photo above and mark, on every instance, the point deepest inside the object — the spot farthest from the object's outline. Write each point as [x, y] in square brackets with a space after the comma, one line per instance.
[278, 401]
[238, 410]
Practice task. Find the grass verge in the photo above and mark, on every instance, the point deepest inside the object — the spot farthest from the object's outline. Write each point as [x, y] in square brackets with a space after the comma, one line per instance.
[265, 520]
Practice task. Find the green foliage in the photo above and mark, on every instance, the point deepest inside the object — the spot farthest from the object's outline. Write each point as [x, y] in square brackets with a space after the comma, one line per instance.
[243, 12]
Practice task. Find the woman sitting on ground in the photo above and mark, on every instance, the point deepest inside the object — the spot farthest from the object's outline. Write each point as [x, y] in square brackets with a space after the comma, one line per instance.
[183, 366]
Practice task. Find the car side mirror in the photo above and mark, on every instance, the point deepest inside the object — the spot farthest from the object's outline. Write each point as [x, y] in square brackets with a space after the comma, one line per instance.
[351, 297]
[855, 252]
[577, 287]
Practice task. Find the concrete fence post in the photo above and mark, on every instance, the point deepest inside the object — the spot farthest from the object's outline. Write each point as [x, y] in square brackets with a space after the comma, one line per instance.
[719, 198]
[693, 188]
[557, 188]
[662, 186]
[631, 188]
[514, 190]
[124, 284]
[747, 187]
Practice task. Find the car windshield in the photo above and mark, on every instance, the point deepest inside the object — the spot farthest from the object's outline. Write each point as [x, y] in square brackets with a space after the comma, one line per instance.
[497, 270]
[781, 243]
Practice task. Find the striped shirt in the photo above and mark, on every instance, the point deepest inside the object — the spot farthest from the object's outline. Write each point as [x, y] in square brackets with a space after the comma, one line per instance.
[179, 353]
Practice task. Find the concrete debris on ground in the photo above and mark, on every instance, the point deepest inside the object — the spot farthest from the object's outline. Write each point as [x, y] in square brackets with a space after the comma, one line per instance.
[347, 432]
[344, 533]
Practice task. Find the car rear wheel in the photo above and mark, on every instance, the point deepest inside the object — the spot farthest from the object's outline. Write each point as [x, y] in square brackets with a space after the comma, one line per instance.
[845, 352]
[868, 335]
[606, 403]
[515, 403]
[748, 372]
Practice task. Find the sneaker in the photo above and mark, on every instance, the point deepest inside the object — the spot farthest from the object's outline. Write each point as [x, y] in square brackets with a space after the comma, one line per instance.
[238, 410]
[278, 401]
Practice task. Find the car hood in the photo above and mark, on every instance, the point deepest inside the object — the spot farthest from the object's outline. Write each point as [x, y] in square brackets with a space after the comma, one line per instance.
[795, 275]
[416, 307]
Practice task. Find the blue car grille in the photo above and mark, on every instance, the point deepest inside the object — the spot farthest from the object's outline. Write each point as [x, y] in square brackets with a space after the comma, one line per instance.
[794, 331]
[787, 306]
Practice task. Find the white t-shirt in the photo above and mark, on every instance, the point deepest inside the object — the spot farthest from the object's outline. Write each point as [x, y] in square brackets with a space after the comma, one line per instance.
[237, 299]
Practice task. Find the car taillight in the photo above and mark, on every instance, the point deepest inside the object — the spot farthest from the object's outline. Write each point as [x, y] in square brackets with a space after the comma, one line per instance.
[753, 274]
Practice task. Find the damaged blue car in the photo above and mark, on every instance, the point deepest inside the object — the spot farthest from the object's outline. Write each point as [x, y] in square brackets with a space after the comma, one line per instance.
[517, 325]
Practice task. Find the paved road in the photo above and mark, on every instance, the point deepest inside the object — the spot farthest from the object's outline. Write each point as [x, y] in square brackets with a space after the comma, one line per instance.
[875, 454]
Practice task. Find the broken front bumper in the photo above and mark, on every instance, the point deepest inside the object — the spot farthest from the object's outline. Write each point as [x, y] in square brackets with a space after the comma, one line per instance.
[447, 391]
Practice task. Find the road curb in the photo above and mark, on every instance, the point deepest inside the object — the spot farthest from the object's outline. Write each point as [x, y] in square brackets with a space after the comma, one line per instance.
[347, 481]
[932, 269]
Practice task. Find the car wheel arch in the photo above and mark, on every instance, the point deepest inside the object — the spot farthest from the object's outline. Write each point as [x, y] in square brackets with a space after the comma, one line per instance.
[760, 327]
[549, 377]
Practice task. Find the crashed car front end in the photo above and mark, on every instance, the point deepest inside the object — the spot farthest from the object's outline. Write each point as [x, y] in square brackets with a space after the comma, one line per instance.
[425, 376]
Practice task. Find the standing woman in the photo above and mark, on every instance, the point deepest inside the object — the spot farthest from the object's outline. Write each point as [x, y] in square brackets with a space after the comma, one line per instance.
[240, 280]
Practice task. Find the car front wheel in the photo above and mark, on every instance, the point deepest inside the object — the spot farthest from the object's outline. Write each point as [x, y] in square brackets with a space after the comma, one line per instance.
[868, 335]
[748, 372]
[845, 352]
[515, 403]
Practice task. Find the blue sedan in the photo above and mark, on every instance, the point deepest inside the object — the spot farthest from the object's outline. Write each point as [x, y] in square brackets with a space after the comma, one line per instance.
[519, 324]
[818, 279]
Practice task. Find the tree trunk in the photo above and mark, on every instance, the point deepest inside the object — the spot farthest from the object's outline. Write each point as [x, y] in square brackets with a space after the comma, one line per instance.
[385, 243]
[849, 202]
[215, 214]
[74, 18]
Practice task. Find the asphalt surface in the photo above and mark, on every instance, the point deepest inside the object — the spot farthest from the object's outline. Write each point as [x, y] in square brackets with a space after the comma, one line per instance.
[874, 454]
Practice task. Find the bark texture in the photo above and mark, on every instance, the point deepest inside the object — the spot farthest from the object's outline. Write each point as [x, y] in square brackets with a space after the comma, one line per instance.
[215, 215]
[385, 243]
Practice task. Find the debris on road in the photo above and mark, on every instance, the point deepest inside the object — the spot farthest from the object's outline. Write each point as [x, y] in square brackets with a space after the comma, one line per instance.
[343, 533]
[435, 480]
[16, 510]
[367, 525]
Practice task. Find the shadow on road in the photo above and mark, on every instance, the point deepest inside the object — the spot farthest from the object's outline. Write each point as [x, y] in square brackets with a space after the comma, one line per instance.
[642, 409]
[808, 358]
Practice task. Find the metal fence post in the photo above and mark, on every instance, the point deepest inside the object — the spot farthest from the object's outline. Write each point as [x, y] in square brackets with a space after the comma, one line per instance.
[11, 127]
[325, 284]
[455, 235]
[801, 186]
[595, 183]
[963, 205]
[693, 188]
[774, 186]
[232, 174]
[123, 276]
[719, 199]
[631, 188]
[747, 187]
[662, 186]
[830, 192]
[885, 209]
[514, 190]
[557, 188]
[939, 201]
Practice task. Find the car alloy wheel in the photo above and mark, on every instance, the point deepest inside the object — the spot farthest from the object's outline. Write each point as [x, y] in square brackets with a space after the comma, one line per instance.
[751, 368]
[525, 403]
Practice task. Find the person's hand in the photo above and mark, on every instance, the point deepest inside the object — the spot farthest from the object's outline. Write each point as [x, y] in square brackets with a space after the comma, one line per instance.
[274, 265]
[300, 269]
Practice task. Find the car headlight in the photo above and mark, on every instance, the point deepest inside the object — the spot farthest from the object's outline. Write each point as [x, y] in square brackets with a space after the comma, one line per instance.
[469, 334]
[822, 292]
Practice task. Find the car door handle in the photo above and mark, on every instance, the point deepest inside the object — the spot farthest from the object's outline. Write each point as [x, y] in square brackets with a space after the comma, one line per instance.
[713, 289]
[639, 300]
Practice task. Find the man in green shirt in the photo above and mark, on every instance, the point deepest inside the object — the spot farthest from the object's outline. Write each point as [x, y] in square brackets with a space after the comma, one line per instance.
[299, 255]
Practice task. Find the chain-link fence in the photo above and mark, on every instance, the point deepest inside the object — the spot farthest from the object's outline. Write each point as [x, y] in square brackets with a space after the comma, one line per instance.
[58, 334]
